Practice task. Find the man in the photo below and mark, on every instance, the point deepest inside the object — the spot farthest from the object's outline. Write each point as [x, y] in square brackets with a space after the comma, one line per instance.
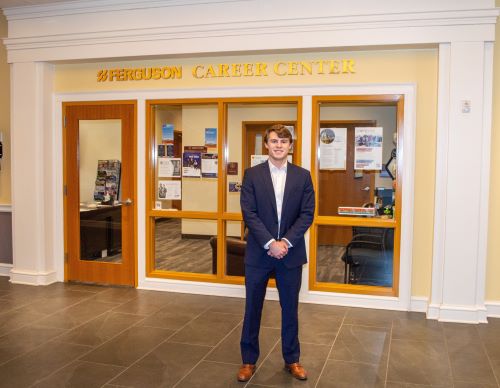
[277, 201]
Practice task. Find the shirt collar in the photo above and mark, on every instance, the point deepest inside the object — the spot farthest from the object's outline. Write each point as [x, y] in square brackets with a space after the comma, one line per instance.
[273, 168]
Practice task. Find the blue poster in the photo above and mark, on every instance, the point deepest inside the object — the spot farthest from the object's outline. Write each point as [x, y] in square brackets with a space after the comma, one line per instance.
[167, 133]
[211, 137]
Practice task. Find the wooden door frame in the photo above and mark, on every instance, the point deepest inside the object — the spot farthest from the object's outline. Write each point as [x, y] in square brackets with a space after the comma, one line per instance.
[68, 212]
[396, 100]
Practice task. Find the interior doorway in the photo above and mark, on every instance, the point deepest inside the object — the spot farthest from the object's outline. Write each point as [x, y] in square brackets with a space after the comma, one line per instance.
[100, 192]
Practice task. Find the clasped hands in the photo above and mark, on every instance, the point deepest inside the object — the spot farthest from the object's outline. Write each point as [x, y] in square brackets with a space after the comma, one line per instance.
[278, 249]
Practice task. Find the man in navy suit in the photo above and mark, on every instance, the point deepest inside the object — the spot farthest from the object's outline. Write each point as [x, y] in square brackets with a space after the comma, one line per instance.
[277, 201]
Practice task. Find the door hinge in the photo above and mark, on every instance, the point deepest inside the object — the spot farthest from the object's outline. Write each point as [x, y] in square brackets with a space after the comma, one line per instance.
[65, 190]
[65, 257]
[64, 121]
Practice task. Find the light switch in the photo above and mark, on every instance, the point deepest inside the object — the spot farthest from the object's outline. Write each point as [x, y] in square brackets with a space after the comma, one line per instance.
[466, 106]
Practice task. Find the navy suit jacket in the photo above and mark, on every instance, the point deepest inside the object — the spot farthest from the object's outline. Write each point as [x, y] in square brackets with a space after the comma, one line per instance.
[258, 205]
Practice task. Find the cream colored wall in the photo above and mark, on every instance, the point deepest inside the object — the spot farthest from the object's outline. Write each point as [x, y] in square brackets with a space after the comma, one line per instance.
[493, 263]
[382, 66]
[4, 116]
[98, 140]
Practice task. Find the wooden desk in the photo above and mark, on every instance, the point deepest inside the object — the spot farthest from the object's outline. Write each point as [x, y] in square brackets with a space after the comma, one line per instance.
[100, 232]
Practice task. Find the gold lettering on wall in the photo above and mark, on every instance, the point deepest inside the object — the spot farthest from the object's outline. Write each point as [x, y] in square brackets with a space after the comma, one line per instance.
[231, 70]
[139, 74]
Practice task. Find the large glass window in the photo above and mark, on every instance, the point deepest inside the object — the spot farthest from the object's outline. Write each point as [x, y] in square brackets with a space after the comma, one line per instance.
[355, 236]
[198, 151]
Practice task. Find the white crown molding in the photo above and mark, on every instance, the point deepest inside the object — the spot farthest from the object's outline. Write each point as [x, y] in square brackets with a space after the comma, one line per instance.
[97, 6]
[321, 27]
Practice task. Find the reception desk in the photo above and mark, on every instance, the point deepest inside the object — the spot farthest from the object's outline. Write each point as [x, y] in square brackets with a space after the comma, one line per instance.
[100, 232]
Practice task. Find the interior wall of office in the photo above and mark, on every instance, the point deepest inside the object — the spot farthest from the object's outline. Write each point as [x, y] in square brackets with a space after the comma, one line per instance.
[493, 262]
[98, 140]
[419, 66]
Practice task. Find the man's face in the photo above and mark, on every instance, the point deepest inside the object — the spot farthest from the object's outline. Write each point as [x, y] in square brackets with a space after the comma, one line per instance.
[278, 148]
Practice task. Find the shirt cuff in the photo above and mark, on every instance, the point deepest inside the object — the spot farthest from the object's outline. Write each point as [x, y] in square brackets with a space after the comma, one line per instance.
[288, 242]
[269, 243]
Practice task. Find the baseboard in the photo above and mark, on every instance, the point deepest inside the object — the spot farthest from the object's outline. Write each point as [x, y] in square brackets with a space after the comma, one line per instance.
[459, 314]
[419, 304]
[5, 269]
[33, 278]
[493, 308]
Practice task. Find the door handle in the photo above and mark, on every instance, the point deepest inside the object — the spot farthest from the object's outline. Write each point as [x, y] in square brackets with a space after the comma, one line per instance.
[367, 188]
[127, 202]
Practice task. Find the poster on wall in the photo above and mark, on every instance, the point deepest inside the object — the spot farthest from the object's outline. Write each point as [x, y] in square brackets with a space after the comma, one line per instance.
[211, 137]
[368, 148]
[169, 167]
[232, 168]
[234, 187]
[167, 133]
[169, 190]
[209, 165]
[191, 164]
[161, 150]
[332, 148]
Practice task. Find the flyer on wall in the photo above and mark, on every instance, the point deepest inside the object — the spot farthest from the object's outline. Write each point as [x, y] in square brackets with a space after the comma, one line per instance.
[169, 167]
[368, 148]
[209, 165]
[211, 137]
[169, 190]
[332, 148]
[191, 164]
[167, 133]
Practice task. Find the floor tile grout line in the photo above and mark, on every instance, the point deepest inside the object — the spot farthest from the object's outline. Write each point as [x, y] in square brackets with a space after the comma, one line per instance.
[264, 360]
[448, 356]
[84, 354]
[497, 379]
[157, 346]
[331, 348]
[53, 338]
[388, 354]
[209, 352]
[45, 315]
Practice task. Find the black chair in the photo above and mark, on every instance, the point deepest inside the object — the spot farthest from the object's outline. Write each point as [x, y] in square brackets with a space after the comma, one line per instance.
[364, 240]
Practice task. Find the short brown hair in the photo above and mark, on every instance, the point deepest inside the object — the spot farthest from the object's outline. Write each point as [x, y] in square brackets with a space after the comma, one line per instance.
[281, 130]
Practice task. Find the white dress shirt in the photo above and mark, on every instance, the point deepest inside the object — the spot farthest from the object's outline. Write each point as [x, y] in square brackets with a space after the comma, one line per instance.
[278, 176]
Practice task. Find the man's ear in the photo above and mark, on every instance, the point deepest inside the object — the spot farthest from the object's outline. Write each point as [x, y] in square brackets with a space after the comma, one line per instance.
[266, 145]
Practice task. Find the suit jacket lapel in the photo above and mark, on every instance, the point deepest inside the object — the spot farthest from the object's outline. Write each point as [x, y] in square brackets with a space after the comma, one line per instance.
[268, 184]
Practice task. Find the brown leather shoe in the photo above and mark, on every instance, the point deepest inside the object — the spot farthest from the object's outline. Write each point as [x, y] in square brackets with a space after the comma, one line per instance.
[246, 371]
[297, 371]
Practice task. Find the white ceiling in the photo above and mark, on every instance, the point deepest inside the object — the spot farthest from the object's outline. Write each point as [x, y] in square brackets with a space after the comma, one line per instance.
[18, 3]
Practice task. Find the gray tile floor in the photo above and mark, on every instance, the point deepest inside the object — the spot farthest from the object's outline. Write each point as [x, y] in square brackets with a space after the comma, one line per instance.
[69, 335]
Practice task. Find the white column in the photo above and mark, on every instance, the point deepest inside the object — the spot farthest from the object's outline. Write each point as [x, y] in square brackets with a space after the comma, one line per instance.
[32, 173]
[462, 182]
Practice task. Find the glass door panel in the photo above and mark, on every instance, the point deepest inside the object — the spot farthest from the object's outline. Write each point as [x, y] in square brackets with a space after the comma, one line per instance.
[99, 151]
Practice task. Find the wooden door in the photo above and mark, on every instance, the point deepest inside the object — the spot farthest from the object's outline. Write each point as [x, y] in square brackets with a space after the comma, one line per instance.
[100, 192]
[253, 134]
[343, 187]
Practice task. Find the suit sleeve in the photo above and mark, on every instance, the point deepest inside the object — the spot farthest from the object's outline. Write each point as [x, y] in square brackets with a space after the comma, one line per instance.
[248, 203]
[306, 215]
